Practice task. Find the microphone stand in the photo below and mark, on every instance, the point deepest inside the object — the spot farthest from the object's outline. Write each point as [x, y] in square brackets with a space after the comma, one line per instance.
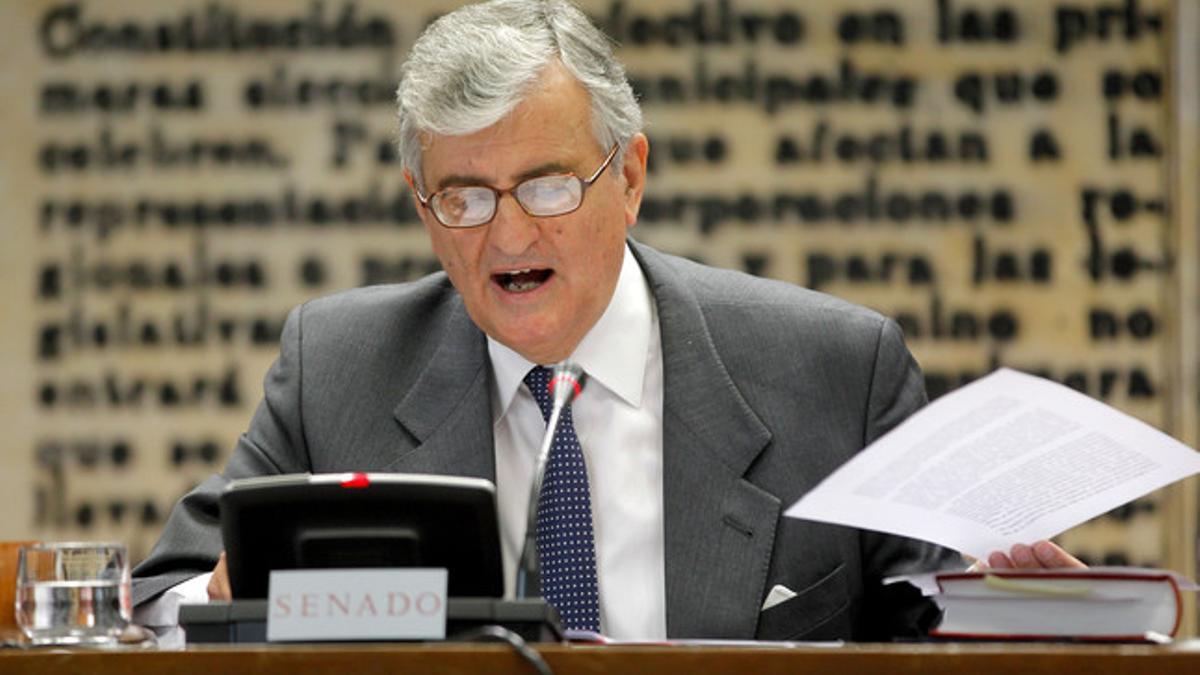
[529, 575]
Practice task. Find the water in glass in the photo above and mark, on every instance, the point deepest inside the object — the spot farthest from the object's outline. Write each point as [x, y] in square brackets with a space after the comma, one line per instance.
[66, 612]
[73, 594]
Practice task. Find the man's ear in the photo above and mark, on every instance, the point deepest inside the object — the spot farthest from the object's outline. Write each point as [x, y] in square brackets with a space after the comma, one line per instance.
[634, 172]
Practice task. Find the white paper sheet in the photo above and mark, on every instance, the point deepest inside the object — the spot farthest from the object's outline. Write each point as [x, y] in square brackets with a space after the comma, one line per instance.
[1010, 458]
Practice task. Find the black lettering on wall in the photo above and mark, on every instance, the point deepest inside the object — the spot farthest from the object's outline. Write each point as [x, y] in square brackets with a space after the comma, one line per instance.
[723, 22]
[995, 264]
[1044, 146]
[289, 208]
[902, 145]
[117, 391]
[1131, 141]
[939, 322]
[887, 268]
[961, 22]
[157, 150]
[685, 150]
[67, 97]
[1108, 324]
[775, 91]
[68, 30]
[1127, 20]
[879, 26]
[983, 91]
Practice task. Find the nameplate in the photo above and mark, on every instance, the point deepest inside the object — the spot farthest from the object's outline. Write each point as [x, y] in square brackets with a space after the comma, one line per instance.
[357, 604]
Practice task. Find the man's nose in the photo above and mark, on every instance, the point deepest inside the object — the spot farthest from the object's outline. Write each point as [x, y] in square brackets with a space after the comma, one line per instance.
[512, 231]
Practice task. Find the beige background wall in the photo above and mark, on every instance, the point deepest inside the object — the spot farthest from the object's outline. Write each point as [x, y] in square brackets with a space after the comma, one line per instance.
[998, 176]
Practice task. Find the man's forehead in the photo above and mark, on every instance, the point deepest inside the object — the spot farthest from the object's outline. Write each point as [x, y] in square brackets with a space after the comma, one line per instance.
[548, 131]
[459, 160]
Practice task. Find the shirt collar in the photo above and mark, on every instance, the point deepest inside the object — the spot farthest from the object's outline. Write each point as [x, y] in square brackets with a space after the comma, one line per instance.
[613, 353]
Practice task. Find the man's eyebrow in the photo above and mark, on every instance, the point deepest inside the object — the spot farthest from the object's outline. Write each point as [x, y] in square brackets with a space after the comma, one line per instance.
[543, 170]
[461, 180]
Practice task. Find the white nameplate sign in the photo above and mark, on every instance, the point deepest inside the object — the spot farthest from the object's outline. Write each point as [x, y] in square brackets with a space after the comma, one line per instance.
[357, 604]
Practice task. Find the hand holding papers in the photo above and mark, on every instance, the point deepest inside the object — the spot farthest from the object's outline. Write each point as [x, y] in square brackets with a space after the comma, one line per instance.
[1007, 459]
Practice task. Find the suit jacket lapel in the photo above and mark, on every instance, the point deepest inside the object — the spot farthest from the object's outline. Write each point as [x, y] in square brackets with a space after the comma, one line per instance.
[448, 409]
[719, 528]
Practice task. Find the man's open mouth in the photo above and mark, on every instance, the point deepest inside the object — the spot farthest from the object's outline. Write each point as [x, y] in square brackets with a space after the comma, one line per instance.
[522, 281]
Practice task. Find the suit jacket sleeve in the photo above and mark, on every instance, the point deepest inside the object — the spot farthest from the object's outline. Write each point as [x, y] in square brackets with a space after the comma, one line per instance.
[896, 610]
[273, 444]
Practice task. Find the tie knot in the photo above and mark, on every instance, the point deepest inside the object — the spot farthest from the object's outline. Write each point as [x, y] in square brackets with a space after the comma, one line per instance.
[538, 382]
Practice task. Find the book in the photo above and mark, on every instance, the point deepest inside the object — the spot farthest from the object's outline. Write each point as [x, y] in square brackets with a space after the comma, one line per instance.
[1096, 604]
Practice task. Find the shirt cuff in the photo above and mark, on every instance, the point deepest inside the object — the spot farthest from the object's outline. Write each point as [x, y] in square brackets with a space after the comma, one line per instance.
[164, 611]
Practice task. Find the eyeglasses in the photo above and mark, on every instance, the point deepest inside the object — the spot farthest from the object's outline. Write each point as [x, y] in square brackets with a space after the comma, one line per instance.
[544, 196]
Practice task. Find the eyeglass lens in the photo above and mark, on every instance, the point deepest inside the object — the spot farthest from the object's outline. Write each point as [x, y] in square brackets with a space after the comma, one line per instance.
[542, 196]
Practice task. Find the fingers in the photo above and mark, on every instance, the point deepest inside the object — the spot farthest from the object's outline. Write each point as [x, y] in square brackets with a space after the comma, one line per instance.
[1023, 557]
[999, 561]
[1051, 555]
[218, 584]
[1041, 555]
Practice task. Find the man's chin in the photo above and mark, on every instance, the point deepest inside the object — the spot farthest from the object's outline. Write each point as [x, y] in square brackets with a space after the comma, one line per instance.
[535, 347]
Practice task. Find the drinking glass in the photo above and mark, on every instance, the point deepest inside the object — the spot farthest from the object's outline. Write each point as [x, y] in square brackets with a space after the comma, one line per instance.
[73, 593]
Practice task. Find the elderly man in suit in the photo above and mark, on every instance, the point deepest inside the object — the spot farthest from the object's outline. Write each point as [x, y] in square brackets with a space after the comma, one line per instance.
[713, 400]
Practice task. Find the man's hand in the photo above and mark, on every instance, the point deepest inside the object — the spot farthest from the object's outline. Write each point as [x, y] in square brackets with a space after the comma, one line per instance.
[218, 585]
[1042, 554]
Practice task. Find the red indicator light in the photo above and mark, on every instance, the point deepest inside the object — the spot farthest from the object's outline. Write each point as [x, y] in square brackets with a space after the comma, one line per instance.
[356, 480]
[568, 378]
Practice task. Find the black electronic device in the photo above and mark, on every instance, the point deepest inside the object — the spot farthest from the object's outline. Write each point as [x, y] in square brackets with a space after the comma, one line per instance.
[359, 520]
[245, 621]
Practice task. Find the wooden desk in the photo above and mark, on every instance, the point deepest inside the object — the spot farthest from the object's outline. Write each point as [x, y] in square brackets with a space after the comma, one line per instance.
[865, 659]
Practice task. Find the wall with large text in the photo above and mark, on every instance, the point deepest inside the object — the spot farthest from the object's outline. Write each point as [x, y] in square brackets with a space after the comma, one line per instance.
[1000, 176]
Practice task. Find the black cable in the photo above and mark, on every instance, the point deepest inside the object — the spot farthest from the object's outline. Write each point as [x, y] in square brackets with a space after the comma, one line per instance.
[494, 633]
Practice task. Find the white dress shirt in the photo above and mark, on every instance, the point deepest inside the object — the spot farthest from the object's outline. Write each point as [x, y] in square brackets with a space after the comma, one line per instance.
[618, 419]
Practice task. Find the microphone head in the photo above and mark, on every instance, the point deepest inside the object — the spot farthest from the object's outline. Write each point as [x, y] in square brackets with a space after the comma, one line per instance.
[570, 376]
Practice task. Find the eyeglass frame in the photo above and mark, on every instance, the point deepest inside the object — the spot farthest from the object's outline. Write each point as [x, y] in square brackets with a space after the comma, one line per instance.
[584, 184]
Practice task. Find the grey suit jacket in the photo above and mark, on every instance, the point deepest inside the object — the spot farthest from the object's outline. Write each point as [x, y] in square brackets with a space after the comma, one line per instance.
[767, 389]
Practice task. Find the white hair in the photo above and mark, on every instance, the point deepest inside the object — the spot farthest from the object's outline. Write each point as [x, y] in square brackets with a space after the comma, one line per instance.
[471, 67]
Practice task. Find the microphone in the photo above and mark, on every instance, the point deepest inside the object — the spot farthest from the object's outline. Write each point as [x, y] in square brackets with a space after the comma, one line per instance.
[566, 382]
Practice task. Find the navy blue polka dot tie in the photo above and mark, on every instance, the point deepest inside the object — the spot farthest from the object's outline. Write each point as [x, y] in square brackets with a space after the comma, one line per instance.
[565, 543]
